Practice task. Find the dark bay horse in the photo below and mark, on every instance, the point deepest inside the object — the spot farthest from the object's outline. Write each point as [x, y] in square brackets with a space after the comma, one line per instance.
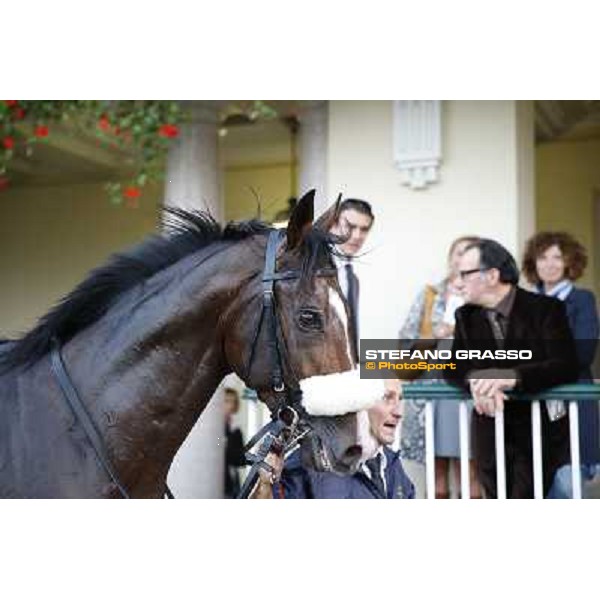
[146, 340]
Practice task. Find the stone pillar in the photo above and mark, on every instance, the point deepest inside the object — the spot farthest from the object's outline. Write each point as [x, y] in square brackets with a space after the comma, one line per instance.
[193, 181]
[193, 175]
[313, 153]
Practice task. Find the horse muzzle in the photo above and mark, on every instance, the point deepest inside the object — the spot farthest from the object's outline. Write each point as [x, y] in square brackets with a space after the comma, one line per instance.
[332, 445]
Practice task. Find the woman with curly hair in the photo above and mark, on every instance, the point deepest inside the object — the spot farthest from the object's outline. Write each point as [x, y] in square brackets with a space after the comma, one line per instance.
[552, 262]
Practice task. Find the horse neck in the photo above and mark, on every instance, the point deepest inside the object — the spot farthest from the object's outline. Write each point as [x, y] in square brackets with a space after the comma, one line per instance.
[147, 370]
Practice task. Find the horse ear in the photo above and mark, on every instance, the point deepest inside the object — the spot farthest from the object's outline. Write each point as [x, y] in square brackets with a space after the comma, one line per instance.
[326, 221]
[301, 219]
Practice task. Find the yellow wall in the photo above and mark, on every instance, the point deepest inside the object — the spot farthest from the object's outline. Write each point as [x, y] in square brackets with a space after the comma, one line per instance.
[568, 176]
[271, 182]
[50, 237]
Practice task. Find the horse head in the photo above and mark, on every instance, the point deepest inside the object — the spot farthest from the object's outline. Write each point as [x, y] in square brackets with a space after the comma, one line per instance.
[292, 335]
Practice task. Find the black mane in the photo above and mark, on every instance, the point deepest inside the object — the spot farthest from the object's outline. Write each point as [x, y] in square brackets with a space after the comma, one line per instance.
[188, 232]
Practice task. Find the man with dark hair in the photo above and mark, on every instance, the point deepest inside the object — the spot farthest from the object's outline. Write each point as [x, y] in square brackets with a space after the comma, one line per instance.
[499, 314]
[353, 222]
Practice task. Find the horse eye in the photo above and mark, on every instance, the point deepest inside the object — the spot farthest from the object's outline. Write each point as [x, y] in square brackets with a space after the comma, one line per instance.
[310, 320]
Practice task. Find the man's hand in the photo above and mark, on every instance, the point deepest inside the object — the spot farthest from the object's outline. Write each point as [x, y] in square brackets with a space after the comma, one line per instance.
[266, 479]
[489, 387]
[488, 394]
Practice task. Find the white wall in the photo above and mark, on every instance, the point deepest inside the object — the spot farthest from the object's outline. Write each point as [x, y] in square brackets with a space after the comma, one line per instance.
[478, 193]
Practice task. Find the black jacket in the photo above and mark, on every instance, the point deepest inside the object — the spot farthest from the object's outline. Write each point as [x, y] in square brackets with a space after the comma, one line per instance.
[537, 323]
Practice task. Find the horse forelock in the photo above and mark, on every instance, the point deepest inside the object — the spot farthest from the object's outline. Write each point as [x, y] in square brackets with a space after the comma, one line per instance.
[316, 251]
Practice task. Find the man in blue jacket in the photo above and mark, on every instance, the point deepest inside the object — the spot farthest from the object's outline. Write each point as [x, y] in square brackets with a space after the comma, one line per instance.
[381, 476]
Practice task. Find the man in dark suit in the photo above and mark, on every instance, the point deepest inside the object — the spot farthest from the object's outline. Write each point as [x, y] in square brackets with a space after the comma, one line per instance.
[500, 315]
[352, 221]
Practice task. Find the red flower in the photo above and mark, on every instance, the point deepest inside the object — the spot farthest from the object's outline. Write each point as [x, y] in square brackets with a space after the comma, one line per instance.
[104, 123]
[42, 131]
[19, 113]
[132, 192]
[8, 143]
[169, 131]
[10, 103]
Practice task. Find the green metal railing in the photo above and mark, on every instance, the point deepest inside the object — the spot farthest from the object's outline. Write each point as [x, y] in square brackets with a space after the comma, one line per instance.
[571, 393]
[435, 391]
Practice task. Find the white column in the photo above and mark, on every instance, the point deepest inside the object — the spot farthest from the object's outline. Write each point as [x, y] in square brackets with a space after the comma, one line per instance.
[313, 153]
[193, 177]
[193, 181]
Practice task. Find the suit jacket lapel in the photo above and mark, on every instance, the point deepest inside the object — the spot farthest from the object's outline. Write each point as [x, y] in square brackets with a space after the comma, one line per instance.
[372, 487]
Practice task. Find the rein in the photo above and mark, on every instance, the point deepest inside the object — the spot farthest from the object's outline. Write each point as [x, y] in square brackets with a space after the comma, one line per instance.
[82, 415]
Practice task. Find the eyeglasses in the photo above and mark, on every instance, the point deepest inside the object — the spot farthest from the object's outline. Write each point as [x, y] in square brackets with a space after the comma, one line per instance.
[463, 274]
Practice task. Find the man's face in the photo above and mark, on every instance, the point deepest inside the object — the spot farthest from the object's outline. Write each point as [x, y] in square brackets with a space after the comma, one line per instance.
[385, 416]
[356, 226]
[472, 286]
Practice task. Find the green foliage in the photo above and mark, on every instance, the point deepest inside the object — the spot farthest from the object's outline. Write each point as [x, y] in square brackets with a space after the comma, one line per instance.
[144, 128]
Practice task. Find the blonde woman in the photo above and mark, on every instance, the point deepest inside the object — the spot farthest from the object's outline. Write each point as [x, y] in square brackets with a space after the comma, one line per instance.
[432, 317]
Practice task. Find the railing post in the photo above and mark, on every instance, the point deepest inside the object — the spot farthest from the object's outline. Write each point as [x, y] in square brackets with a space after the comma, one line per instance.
[574, 442]
[536, 438]
[463, 429]
[429, 451]
[500, 456]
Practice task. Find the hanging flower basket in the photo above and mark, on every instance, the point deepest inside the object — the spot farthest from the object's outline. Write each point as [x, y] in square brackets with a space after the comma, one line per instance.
[142, 128]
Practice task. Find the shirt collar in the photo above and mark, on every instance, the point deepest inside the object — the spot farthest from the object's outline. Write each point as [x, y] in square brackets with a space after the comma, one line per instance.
[504, 307]
[342, 260]
[380, 452]
[561, 290]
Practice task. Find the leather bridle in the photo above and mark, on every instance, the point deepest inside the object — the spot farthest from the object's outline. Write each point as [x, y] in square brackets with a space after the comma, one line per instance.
[289, 422]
